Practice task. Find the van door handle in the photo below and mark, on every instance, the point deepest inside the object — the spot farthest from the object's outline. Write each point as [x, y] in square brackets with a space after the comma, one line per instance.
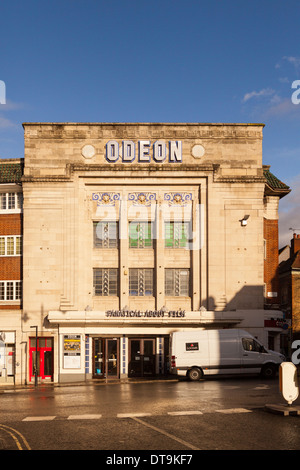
[245, 354]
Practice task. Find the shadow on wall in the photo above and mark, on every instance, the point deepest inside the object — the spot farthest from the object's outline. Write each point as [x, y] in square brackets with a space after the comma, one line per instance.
[248, 298]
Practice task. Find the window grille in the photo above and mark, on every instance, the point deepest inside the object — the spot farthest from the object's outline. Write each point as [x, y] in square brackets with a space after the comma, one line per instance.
[105, 281]
[177, 282]
[140, 235]
[140, 282]
[176, 234]
[106, 234]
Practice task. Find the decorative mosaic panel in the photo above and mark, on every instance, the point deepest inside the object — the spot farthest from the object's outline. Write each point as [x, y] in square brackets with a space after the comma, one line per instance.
[178, 199]
[106, 199]
[143, 198]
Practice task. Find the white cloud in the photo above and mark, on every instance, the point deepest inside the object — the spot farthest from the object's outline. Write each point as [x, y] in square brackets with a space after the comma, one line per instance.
[284, 80]
[295, 61]
[256, 94]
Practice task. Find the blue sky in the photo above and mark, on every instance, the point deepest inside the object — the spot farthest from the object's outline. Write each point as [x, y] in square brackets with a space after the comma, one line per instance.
[156, 61]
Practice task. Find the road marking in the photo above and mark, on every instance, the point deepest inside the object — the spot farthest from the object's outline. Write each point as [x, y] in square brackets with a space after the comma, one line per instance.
[161, 431]
[18, 443]
[234, 410]
[132, 415]
[39, 418]
[84, 416]
[184, 413]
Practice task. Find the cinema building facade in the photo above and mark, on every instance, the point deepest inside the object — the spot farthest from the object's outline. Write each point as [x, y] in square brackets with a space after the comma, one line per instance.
[133, 231]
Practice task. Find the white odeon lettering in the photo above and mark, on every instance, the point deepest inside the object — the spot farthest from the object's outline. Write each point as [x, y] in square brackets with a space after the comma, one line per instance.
[145, 152]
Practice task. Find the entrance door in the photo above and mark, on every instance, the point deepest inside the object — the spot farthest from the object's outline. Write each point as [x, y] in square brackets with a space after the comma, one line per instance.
[142, 357]
[106, 357]
[44, 359]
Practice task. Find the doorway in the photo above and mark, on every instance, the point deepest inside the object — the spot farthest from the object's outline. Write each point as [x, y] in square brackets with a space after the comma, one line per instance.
[106, 358]
[41, 357]
[141, 357]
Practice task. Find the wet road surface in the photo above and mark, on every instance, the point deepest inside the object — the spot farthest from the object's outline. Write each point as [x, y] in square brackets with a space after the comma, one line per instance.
[215, 414]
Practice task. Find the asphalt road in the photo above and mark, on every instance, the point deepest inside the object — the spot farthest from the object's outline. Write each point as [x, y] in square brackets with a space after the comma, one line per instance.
[159, 417]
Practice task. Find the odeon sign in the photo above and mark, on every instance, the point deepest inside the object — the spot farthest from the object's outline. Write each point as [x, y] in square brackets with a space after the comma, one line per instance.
[144, 151]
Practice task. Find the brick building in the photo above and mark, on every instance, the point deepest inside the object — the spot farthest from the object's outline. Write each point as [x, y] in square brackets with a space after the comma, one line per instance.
[11, 234]
[289, 276]
[275, 189]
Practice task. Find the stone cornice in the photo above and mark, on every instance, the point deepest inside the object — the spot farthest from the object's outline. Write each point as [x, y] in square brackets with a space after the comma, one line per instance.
[83, 131]
[155, 170]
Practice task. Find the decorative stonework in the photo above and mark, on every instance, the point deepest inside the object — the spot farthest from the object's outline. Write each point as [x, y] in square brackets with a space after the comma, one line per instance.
[178, 199]
[198, 151]
[143, 198]
[106, 199]
[88, 151]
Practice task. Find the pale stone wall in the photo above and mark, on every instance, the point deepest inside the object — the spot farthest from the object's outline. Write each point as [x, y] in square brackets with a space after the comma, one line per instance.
[225, 177]
[59, 182]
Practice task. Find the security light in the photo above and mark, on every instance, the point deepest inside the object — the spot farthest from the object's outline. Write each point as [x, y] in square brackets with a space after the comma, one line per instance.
[244, 220]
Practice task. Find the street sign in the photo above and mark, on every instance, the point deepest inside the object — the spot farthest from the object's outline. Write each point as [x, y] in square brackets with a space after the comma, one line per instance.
[288, 381]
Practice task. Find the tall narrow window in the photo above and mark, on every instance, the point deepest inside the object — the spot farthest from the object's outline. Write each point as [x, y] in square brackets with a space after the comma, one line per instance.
[106, 234]
[140, 235]
[176, 234]
[177, 282]
[105, 281]
[140, 282]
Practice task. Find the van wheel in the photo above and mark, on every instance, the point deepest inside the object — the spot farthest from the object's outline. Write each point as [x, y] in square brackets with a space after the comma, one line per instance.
[268, 371]
[195, 374]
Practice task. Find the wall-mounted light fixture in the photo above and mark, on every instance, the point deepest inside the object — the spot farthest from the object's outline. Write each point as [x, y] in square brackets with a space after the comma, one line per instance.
[244, 220]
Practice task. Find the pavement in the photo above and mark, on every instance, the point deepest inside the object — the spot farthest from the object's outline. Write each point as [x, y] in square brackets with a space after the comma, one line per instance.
[32, 386]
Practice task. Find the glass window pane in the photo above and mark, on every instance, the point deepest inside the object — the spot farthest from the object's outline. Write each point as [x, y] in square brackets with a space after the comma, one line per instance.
[148, 290]
[2, 291]
[177, 282]
[2, 246]
[10, 246]
[3, 201]
[19, 200]
[41, 343]
[140, 235]
[176, 234]
[18, 246]
[133, 281]
[9, 290]
[18, 290]
[11, 200]
[106, 281]
[141, 282]
[106, 234]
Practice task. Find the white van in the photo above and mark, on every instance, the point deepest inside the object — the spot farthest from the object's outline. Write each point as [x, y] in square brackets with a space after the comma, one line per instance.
[230, 351]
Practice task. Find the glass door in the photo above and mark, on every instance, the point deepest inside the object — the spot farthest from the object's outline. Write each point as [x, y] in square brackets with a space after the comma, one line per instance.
[41, 358]
[112, 357]
[141, 357]
[98, 358]
[106, 357]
